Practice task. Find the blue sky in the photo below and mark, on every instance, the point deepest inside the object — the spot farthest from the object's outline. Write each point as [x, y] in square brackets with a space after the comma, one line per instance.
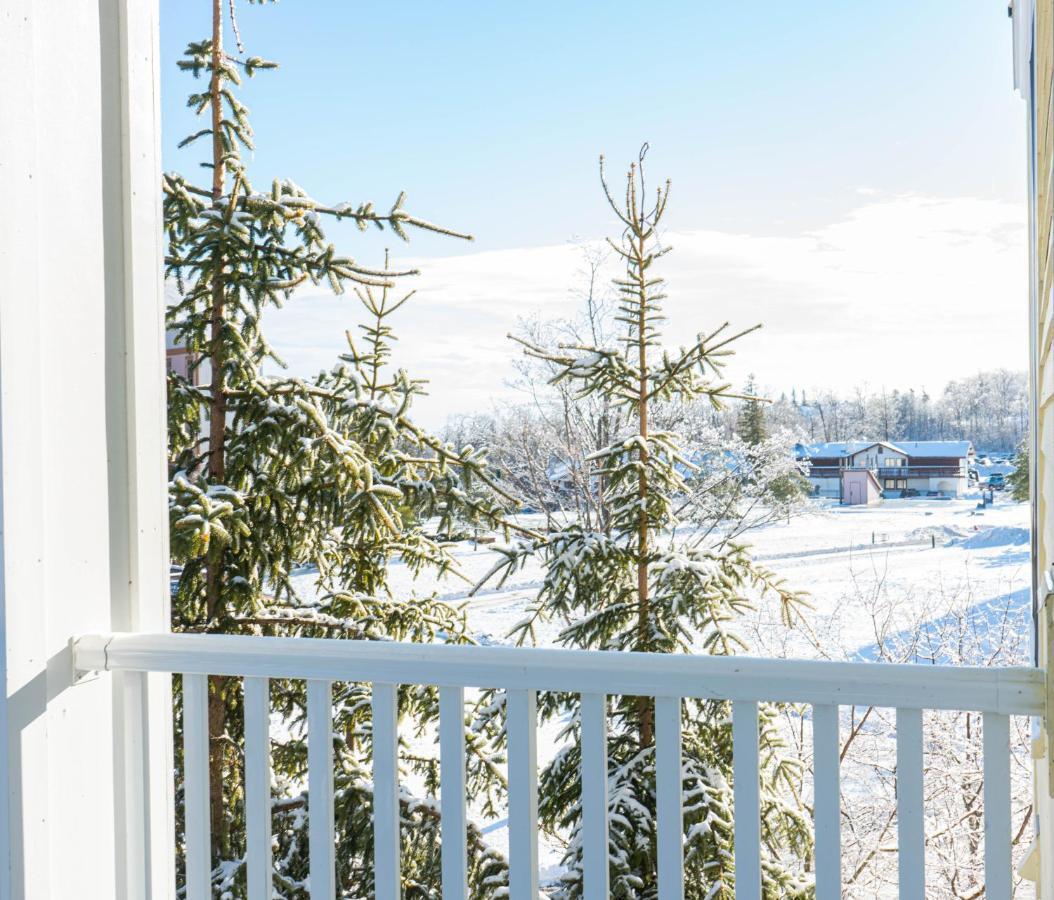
[815, 137]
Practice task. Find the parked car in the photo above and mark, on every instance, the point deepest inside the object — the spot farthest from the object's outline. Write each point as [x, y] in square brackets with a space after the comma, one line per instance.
[997, 480]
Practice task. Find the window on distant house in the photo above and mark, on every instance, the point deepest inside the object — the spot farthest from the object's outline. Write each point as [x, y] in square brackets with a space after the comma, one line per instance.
[892, 461]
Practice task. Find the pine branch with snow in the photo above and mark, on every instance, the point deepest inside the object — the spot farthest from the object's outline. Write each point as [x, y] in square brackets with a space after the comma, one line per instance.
[277, 475]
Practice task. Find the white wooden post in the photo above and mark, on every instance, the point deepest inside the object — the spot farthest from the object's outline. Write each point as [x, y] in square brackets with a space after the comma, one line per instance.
[321, 842]
[521, 724]
[911, 823]
[594, 775]
[746, 794]
[86, 799]
[453, 798]
[258, 863]
[827, 802]
[386, 874]
[669, 798]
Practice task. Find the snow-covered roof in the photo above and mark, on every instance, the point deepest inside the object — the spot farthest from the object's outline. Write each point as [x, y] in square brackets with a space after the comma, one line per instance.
[835, 449]
[558, 469]
[831, 449]
[936, 448]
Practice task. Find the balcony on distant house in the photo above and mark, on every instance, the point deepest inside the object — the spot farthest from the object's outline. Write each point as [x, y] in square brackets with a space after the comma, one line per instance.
[920, 472]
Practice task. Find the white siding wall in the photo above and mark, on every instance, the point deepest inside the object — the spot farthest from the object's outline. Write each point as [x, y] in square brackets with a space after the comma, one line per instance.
[875, 457]
[1033, 72]
[82, 515]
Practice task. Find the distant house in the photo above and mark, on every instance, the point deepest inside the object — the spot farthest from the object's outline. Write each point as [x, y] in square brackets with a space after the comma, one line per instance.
[561, 475]
[906, 468]
[177, 356]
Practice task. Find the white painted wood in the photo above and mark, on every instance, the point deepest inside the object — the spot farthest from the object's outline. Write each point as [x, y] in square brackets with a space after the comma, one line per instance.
[142, 868]
[196, 786]
[321, 849]
[1011, 691]
[669, 813]
[131, 802]
[521, 717]
[1022, 12]
[998, 876]
[452, 792]
[23, 834]
[74, 810]
[258, 864]
[387, 878]
[86, 769]
[746, 796]
[137, 444]
[594, 772]
[911, 845]
[827, 802]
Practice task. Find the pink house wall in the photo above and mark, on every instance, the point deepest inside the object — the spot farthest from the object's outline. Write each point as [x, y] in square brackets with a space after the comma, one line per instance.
[859, 487]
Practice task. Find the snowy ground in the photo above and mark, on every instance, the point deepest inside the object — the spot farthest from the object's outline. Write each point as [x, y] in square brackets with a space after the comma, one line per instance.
[833, 553]
[915, 554]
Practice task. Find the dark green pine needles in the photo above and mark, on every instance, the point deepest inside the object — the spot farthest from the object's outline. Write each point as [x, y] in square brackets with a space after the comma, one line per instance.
[328, 475]
[647, 583]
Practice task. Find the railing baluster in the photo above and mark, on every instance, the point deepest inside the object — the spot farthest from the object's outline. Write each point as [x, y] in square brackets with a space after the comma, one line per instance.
[669, 812]
[594, 796]
[746, 796]
[196, 786]
[258, 788]
[521, 715]
[827, 802]
[452, 792]
[998, 878]
[386, 793]
[997, 693]
[320, 789]
[910, 823]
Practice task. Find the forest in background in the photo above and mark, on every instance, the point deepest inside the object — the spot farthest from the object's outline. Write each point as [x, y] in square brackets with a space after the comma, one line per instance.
[989, 408]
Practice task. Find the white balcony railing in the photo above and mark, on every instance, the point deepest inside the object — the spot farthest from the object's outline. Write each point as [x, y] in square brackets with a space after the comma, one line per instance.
[997, 693]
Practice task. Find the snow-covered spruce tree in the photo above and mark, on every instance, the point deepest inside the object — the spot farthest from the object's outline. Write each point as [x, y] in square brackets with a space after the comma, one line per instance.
[1019, 479]
[750, 425]
[274, 475]
[646, 585]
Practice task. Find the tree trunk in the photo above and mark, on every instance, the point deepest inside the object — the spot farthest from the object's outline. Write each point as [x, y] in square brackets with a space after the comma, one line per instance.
[645, 704]
[217, 712]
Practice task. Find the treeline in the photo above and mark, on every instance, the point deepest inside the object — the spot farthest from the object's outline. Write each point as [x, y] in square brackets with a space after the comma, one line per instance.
[989, 408]
[529, 439]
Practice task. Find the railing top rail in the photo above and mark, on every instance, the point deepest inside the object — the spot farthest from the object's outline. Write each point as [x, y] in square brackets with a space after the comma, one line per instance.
[1010, 691]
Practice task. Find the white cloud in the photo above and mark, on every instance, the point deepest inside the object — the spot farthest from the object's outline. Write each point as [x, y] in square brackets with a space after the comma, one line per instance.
[907, 290]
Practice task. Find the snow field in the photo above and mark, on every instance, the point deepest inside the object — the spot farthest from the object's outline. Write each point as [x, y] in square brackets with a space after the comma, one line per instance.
[870, 573]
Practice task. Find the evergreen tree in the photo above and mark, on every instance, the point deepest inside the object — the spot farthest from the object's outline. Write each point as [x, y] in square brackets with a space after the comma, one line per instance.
[750, 425]
[1019, 479]
[647, 585]
[274, 475]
